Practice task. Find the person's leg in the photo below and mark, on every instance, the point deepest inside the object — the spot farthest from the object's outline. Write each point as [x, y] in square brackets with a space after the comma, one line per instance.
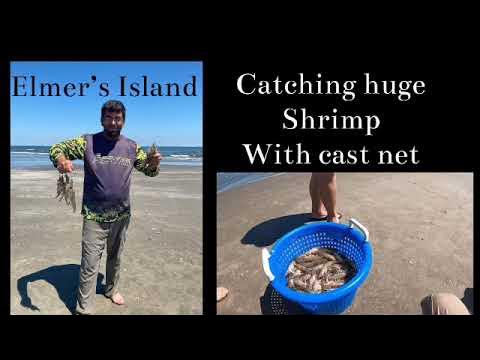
[323, 190]
[115, 244]
[93, 242]
[318, 209]
[444, 304]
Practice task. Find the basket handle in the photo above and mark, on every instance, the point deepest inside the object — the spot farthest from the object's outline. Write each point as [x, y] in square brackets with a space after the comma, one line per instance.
[362, 228]
[266, 264]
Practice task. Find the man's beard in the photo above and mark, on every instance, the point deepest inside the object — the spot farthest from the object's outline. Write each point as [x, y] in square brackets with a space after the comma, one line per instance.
[113, 133]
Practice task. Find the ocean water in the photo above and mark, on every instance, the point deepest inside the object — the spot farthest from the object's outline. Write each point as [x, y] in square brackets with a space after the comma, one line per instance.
[231, 180]
[36, 157]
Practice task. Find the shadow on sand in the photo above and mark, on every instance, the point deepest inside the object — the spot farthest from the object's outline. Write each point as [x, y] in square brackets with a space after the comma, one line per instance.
[266, 233]
[272, 303]
[64, 278]
[468, 299]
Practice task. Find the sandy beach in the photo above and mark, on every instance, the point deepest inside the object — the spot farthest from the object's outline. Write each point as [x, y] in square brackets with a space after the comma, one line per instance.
[161, 264]
[421, 230]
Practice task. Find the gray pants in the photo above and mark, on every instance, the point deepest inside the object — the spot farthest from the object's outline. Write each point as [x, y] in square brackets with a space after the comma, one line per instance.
[94, 237]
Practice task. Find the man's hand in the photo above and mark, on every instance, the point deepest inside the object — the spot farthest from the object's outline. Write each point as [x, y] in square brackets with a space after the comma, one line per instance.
[64, 165]
[154, 160]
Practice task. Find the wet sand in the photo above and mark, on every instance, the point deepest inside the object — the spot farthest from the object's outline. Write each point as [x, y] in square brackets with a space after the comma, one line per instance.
[161, 263]
[420, 224]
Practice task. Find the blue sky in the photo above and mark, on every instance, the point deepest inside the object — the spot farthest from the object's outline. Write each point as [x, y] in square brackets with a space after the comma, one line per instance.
[167, 120]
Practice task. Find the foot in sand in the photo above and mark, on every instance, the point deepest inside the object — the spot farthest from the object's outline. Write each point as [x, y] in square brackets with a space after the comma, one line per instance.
[320, 214]
[322, 217]
[335, 219]
[117, 299]
[221, 293]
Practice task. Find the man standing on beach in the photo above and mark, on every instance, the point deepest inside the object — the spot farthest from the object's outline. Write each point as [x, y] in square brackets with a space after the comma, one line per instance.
[109, 159]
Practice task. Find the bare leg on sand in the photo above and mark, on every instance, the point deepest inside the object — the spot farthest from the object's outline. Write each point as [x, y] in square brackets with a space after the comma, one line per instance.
[323, 192]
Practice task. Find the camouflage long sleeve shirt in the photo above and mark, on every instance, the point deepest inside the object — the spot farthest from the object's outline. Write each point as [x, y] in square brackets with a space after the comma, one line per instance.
[107, 173]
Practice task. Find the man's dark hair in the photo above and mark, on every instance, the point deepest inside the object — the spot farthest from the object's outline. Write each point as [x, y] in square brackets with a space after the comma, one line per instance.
[113, 106]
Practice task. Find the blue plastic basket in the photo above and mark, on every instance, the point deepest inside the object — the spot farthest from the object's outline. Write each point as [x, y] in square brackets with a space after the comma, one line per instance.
[346, 240]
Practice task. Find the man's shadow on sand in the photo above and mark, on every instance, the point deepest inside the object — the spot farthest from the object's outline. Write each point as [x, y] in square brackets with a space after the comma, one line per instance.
[272, 303]
[64, 278]
[266, 233]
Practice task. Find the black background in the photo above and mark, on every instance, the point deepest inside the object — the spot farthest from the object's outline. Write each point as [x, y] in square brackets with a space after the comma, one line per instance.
[439, 123]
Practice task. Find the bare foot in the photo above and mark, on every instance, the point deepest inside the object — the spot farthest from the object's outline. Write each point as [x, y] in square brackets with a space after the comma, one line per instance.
[333, 219]
[318, 216]
[117, 299]
[324, 216]
[221, 293]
